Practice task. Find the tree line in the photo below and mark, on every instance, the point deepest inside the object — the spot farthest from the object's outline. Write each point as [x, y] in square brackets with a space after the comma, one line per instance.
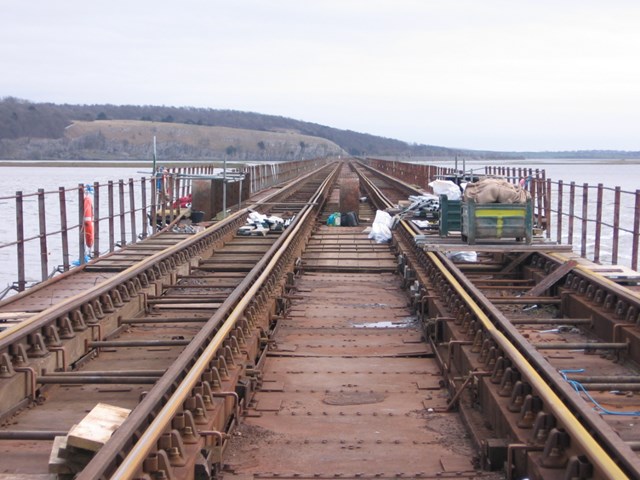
[27, 123]
[24, 119]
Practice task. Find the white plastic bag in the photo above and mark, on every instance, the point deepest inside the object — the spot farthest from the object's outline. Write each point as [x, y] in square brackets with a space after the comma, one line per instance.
[463, 256]
[380, 233]
[255, 217]
[383, 218]
[446, 187]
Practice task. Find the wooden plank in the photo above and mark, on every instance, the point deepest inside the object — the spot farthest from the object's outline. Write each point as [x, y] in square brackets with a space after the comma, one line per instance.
[515, 262]
[56, 463]
[97, 427]
[548, 281]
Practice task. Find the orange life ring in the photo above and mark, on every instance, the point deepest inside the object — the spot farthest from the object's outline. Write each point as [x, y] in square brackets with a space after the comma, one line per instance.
[88, 220]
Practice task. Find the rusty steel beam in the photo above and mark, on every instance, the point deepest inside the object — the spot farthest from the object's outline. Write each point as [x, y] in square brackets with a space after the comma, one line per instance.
[536, 369]
[193, 360]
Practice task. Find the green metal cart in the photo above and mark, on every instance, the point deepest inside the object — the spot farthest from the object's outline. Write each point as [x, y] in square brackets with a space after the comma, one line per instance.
[496, 220]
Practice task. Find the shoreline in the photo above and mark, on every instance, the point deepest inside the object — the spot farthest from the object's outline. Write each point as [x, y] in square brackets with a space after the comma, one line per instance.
[112, 163]
[231, 163]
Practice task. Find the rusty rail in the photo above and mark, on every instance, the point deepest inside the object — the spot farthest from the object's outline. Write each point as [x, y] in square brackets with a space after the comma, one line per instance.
[196, 358]
[610, 456]
[574, 216]
[121, 209]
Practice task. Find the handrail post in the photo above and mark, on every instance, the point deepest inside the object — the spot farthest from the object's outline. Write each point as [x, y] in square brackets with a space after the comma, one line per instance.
[547, 208]
[154, 204]
[585, 212]
[132, 211]
[572, 208]
[596, 251]
[559, 213]
[616, 226]
[112, 244]
[636, 232]
[20, 241]
[123, 226]
[143, 197]
[64, 233]
[96, 219]
[44, 256]
[81, 251]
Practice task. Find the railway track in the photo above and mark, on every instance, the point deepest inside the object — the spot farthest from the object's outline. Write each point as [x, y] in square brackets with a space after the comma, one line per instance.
[316, 353]
[528, 340]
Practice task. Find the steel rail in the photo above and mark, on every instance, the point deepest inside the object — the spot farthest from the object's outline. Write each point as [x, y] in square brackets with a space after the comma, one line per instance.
[131, 463]
[596, 454]
[43, 318]
[41, 285]
[40, 319]
[199, 358]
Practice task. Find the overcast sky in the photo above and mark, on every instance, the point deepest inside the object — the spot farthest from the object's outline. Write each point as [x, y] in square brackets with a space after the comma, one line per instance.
[481, 74]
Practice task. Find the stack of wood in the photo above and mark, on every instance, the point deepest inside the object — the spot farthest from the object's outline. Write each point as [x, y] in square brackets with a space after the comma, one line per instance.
[71, 453]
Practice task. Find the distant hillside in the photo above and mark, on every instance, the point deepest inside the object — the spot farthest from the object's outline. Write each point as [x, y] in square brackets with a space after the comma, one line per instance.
[133, 139]
[40, 131]
[28, 129]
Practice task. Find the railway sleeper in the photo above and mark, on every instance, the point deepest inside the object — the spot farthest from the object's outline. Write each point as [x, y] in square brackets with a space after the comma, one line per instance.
[506, 418]
[528, 438]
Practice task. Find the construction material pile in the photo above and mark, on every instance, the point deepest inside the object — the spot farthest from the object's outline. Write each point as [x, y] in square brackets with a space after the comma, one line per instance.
[495, 190]
[259, 224]
[71, 453]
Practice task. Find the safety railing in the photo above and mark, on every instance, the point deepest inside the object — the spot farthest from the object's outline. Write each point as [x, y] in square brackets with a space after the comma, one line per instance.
[603, 223]
[58, 229]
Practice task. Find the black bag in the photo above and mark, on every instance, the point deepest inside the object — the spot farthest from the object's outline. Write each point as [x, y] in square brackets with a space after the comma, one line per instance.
[349, 219]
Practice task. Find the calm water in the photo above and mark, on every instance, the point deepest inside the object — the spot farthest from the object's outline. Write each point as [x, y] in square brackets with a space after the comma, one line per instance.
[623, 174]
[611, 174]
[30, 179]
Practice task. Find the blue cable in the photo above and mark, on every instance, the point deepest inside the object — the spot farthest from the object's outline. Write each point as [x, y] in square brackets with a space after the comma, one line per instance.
[579, 388]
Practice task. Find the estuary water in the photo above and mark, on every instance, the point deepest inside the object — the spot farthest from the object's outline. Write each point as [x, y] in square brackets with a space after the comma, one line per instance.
[610, 173]
[28, 179]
